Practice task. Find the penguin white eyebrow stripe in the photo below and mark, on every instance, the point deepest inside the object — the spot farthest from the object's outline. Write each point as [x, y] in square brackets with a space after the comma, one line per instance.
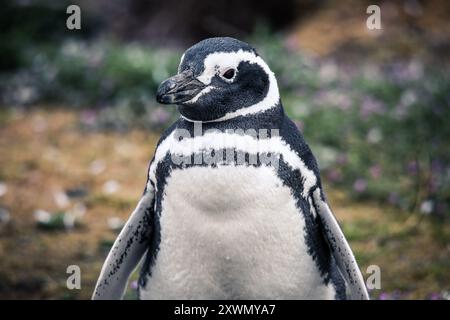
[246, 143]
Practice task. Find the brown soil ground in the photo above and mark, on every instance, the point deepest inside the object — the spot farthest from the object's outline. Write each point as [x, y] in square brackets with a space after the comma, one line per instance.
[43, 151]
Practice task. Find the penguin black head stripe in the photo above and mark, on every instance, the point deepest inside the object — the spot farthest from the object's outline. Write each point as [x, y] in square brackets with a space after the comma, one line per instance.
[214, 227]
[218, 79]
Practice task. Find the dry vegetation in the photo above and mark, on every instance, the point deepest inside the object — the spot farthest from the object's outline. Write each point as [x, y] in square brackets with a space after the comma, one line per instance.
[44, 151]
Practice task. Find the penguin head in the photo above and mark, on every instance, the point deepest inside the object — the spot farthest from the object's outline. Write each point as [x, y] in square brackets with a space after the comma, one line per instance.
[219, 79]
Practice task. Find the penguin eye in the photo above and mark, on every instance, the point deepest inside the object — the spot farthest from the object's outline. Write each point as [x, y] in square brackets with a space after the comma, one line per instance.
[229, 74]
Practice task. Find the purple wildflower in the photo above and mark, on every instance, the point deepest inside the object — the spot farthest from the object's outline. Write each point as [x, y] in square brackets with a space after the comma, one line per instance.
[375, 171]
[342, 159]
[413, 168]
[435, 296]
[360, 185]
[371, 106]
[88, 117]
[384, 296]
[333, 98]
[334, 175]
[436, 166]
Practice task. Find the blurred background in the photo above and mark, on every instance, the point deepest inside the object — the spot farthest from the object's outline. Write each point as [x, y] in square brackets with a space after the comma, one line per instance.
[79, 123]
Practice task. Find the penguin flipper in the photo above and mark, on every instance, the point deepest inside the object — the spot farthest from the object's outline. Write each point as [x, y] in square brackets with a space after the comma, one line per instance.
[127, 251]
[340, 249]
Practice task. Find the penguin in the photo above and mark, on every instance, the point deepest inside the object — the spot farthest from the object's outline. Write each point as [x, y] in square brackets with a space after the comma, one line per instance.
[233, 207]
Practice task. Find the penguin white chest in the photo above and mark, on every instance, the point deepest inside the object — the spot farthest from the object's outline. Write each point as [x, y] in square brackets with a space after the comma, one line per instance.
[232, 232]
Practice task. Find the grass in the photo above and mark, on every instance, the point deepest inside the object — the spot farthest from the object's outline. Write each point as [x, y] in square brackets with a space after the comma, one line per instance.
[381, 126]
[44, 151]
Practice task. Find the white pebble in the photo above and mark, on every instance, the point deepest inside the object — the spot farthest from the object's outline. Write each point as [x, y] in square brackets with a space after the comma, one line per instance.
[61, 199]
[115, 223]
[5, 217]
[42, 216]
[3, 189]
[97, 166]
[111, 186]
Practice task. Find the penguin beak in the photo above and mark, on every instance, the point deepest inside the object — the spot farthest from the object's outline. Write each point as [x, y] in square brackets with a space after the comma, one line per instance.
[179, 88]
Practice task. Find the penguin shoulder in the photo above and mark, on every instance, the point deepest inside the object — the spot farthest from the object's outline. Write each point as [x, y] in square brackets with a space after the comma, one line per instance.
[292, 136]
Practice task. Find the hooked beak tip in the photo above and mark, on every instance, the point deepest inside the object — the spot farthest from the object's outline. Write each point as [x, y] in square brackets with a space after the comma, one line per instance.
[179, 88]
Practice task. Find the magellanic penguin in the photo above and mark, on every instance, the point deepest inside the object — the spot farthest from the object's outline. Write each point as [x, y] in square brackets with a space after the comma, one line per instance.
[233, 207]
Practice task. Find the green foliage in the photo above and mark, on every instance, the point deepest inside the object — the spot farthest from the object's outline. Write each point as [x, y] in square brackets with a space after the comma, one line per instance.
[379, 131]
[116, 82]
[81, 73]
